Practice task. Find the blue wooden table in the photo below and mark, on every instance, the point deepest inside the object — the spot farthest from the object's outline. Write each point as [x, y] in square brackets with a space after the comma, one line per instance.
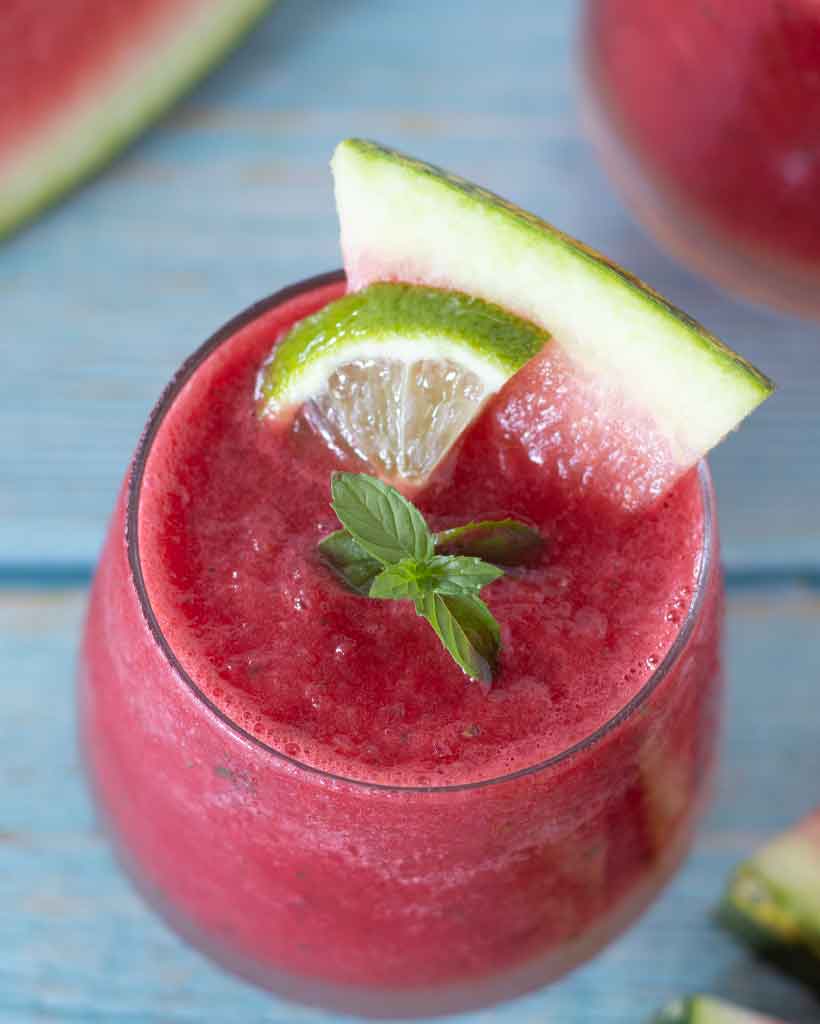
[225, 201]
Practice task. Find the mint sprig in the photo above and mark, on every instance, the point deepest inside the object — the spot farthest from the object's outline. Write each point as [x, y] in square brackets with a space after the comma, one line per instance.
[467, 628]
[502, 541]
[412, 578]
[352, 563]
[379, 519]
[386, 551]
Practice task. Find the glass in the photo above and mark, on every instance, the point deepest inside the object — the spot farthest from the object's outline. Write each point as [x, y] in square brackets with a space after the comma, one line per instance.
[706, 115]
[374, 899]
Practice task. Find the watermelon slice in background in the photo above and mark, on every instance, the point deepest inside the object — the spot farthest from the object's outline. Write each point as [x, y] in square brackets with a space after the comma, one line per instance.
[81, 78]
[706, 1010]
[772, 900]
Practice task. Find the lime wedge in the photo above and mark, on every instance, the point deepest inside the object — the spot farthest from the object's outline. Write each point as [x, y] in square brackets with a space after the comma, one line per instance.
[395, 373]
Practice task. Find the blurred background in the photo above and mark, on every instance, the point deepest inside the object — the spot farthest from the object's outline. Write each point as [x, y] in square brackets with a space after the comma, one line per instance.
[224, 201]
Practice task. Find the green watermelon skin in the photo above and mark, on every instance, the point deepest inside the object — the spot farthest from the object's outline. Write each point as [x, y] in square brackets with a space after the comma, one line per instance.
[81, 78]
[707, 1010]
[772, 901]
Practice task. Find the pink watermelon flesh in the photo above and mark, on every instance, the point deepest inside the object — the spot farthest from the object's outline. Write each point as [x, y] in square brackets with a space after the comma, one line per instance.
[582, 435]
[54, 51]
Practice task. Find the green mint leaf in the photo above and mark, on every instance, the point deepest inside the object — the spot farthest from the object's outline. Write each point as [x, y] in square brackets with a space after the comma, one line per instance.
[386, 551]
[380, 519]
[458, 574]
[467, 629]
[500, 541]
[340, 552]
[405, 581]
[442, 574]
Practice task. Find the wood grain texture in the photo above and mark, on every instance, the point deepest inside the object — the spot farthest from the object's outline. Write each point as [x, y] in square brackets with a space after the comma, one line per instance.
[230, 198]
[78, 946]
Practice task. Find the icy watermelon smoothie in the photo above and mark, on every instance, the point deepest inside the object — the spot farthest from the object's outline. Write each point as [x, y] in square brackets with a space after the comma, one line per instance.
[707, 116]
[307, 785]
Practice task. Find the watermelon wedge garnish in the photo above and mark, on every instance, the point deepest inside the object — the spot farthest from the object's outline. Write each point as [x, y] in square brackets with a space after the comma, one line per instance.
[773, 900]
[81, 78]
[631, 392]
[706, 1010]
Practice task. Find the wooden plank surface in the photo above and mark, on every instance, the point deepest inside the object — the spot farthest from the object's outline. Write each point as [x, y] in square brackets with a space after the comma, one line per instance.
[230, 198]
[78, 946]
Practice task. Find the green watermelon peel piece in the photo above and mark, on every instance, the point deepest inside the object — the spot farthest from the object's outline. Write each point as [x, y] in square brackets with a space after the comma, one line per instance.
[701, 1009]
[772, 901]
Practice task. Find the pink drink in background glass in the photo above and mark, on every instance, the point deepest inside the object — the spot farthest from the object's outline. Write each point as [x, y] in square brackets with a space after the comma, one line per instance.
[708, 117]
[303, 782]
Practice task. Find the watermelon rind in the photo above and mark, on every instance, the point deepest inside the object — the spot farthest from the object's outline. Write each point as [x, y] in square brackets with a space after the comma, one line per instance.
[403, 219]
[73, 144]
[772, 901]
[707, 1010]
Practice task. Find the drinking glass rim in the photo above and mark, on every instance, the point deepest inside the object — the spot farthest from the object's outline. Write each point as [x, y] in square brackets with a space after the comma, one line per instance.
[134, 490]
